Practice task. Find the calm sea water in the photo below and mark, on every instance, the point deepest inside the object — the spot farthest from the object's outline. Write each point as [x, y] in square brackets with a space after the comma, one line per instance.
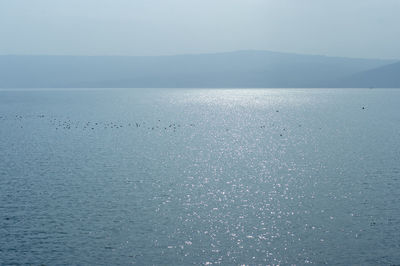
[165, 176]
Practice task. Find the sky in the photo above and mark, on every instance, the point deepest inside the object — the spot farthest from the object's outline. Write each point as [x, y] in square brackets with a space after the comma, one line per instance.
[348, 28]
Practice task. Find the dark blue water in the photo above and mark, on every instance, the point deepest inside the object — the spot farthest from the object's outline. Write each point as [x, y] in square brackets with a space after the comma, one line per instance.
[117, 177]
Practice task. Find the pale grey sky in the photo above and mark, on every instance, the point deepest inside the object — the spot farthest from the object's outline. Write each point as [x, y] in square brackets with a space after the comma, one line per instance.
[354, 28]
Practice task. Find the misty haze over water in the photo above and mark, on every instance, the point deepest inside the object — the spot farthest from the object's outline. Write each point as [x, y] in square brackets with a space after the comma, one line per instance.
[205, 132]
[241, 69]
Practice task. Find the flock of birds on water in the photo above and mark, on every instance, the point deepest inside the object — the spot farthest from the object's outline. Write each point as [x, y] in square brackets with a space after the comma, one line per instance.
[69, 124]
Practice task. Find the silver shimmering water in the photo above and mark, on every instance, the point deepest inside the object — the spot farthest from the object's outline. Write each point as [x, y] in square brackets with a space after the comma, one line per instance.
[164, 176]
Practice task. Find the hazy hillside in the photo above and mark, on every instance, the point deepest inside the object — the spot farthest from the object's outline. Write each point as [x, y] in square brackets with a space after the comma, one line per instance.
[235, 69]
[383, 77]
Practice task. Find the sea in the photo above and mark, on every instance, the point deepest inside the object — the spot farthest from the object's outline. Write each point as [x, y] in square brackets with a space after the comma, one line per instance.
[200, 176]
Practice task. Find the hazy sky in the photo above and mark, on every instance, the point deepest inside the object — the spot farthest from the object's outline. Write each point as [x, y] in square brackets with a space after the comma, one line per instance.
[356, 28]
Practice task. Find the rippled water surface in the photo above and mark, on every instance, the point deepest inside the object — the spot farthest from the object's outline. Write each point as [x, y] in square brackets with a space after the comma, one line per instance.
[163, 176]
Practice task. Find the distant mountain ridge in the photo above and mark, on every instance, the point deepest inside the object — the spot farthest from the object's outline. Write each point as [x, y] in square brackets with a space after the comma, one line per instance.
[241, 69]
[387, 76]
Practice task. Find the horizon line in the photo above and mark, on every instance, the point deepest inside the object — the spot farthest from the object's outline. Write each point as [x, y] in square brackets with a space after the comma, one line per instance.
[206, 53]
